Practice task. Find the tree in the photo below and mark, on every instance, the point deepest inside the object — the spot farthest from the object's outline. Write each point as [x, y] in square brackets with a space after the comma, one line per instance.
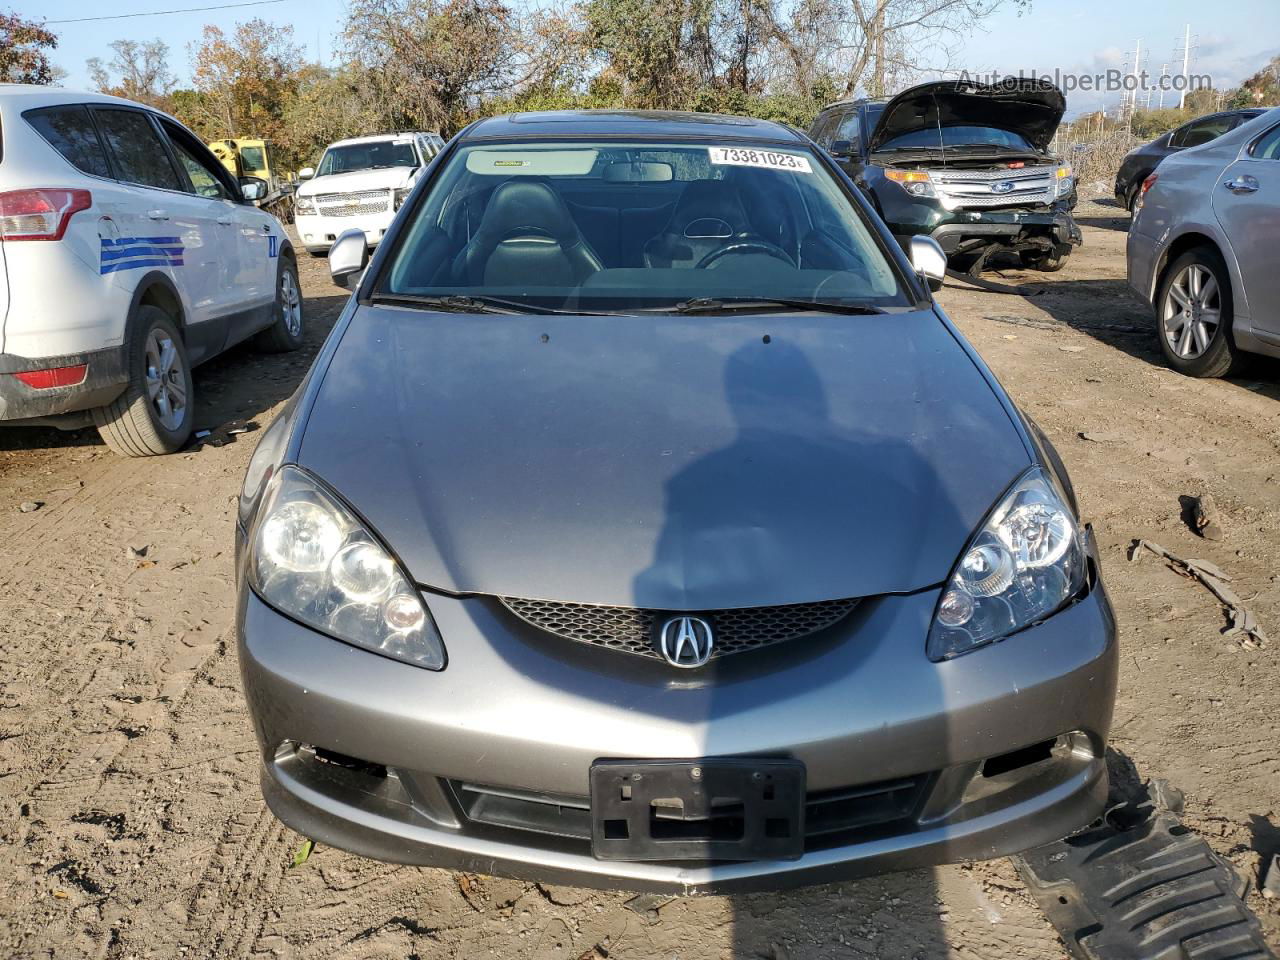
[244, 80]
[428, 62]
[23, 46]
[137, 71]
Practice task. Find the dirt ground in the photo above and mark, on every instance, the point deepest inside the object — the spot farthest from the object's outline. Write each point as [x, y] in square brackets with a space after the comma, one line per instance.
[130, 815]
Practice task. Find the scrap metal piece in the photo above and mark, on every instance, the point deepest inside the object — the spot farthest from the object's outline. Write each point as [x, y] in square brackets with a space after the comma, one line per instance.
[1156, 891]
[1242, 619]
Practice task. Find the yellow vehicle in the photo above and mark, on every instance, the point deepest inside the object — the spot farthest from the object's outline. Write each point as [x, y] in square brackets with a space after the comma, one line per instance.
[254, 159]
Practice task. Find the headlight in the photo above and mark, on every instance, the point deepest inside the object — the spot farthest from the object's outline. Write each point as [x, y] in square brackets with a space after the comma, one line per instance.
[305, 206]
[915, 182]
[399, 195]
[1025, 562]
[311, 558]
[1065, 181]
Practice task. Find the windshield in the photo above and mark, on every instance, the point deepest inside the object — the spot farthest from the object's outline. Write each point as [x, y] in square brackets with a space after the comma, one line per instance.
[613, 226]
[368, 156]
[959, 136]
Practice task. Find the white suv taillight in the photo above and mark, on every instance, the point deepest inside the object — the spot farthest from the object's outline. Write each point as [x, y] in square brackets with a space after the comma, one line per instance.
[40, 213]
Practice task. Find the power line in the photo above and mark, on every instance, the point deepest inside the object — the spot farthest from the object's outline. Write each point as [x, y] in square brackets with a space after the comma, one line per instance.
[162, 13]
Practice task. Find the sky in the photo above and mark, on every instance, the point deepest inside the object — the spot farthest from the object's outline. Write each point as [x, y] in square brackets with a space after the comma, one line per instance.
[1077, 37]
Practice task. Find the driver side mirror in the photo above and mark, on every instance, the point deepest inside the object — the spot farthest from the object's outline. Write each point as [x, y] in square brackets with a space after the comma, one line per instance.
[348, 257]
[842, 149]
[306, 173]
[928, 260]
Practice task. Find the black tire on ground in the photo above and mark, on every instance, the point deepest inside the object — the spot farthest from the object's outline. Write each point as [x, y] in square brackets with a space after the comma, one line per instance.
[1221, 355]
[289, 326]
[131, 424]
[1132, 197]
[1050, 262]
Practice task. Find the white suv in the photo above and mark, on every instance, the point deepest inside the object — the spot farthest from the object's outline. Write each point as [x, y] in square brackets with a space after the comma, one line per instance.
[128, 254]
[360, 185]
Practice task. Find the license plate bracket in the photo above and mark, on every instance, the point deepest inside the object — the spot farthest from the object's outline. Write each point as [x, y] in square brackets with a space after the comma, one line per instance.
[711, 809]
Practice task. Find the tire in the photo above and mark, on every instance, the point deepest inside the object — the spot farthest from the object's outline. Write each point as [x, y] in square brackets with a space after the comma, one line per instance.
[289, 327]
[1193, 324]
[135, 424]
[1050, 262]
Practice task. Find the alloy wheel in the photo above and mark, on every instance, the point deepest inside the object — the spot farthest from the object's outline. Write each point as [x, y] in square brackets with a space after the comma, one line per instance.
[290, 304]
[166, 380]
[1192, 311]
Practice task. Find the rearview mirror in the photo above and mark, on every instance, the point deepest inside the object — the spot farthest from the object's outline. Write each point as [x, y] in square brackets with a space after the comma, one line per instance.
[637, 171]
[348, 257]
[306, 173]
[928, 260]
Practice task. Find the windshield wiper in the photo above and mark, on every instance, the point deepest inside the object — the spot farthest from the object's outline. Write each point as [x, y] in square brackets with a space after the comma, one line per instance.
[725, 304]
[458, 303]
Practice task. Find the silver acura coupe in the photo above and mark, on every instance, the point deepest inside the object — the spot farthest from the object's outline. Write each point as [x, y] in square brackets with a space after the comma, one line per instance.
[643, 523]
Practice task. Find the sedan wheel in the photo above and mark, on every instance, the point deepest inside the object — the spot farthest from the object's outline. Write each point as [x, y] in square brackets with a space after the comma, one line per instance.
[1192, 311]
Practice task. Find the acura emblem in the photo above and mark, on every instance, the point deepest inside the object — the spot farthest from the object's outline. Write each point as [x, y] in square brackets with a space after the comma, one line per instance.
[1004, 186]
[686, 641]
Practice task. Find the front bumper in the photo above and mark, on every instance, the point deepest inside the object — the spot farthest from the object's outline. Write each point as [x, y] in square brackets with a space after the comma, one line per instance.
[105, 380]
[527, 714]
[1010, 227]
[319, 232]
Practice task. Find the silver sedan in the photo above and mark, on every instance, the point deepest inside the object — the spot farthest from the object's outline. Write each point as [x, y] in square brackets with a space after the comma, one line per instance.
[1202, 249]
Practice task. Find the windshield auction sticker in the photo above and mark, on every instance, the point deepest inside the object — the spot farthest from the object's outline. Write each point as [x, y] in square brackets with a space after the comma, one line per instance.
[752, 157]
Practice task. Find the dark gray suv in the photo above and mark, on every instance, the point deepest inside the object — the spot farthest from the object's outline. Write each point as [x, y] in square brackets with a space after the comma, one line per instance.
[644, 523]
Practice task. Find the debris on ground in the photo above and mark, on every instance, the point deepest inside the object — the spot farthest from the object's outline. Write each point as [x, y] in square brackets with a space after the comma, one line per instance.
[303, 853]
[1111, 889]
[30, 506]
[1094, 436]
[1270, 880]
[222, 435]
[136, 553]
[648, 905]
[1205, 517]
[1242, 619]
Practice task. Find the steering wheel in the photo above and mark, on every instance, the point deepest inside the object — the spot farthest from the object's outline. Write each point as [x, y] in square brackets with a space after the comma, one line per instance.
[745, 246]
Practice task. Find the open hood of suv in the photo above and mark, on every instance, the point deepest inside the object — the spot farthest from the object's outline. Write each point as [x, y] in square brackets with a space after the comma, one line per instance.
[1028, 106]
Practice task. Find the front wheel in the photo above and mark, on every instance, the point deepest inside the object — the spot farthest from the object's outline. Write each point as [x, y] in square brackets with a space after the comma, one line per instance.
[1193, 314]
[285, 332]
[1047, 262]
[153, 415]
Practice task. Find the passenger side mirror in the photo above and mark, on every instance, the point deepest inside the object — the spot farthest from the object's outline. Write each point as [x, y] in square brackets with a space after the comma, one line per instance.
[253, 188]
[842, 149]
[928, 260]
[306, 173]
[348, 257]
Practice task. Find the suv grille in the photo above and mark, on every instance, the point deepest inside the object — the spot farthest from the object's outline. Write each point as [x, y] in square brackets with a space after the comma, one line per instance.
[631, 629]
[972, 188]
[353, 204]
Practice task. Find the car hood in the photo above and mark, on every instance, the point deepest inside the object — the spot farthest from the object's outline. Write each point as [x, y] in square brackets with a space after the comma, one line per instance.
[384, 178]
[681, 463]
[1028, 106]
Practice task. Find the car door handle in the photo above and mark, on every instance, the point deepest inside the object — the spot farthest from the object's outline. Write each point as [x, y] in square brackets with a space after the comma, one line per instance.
[158, 214]
[1242, 184]
[225, 219]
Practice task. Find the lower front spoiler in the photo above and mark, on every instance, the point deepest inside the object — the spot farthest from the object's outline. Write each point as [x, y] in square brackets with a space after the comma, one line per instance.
[1044, 817]
[1009, 228]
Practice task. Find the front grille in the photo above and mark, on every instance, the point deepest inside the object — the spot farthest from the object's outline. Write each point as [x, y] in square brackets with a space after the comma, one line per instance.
[972, 188]
[353, 204]
[832, 817]
[631, 629]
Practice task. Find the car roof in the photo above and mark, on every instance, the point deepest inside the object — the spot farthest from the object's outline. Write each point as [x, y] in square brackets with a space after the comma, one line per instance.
[646, 124]
[380, 137]
[38, 95]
